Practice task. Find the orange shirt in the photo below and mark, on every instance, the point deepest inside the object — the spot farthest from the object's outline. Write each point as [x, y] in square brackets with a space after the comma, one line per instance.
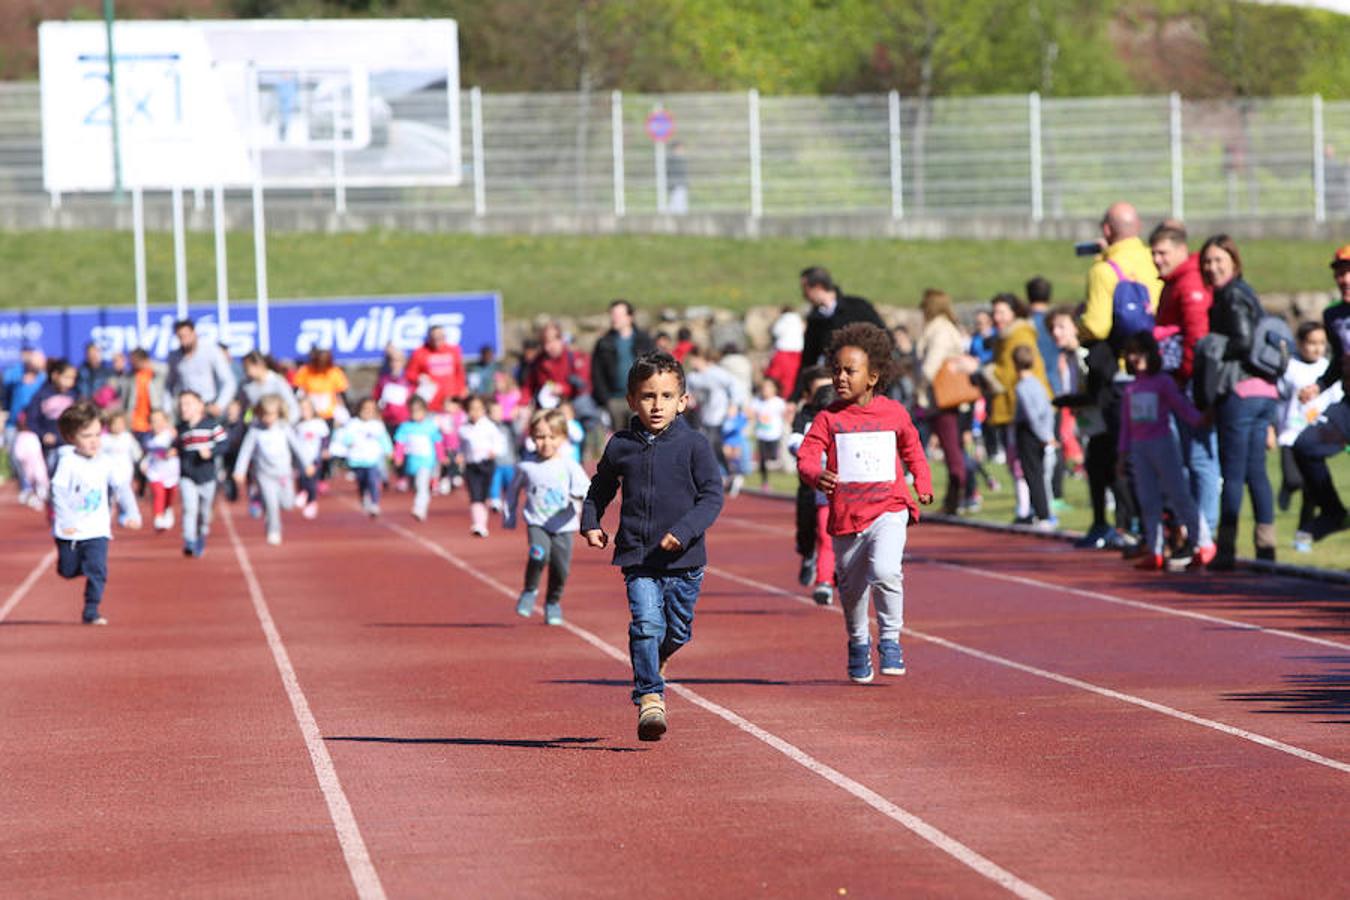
[140, 410]
[322, 388]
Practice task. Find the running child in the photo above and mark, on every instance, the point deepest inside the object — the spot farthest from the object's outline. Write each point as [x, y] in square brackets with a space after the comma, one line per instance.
[823, 549]
[863, 436]
[770, 423]
[672, 487]
[808, 536]
[1146, 439]
[161, 467]
[554, 485]
[480, 442]
[313, 432]
[419, 450]
[364, 443]
[272, 451]
[82, 523]
[124, 452]
[201, 439]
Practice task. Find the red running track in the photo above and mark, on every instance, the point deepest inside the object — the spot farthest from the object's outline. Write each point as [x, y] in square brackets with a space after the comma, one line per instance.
[359, 711]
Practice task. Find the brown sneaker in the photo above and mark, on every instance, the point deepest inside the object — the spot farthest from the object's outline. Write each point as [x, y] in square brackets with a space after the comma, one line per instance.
[651, 717]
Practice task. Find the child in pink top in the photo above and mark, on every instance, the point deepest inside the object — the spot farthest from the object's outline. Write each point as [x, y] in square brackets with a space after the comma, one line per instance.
[862, 437]
[1159, 476]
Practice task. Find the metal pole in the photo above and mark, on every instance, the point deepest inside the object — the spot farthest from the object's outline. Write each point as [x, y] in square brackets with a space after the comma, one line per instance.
[138, 244]
[662, 192]
[1178, 176]
[179, 253]
[1037, 187]
[339, 183]
[616, 132]
[260, 263]
[1319, 162]
[756, 173]
[479, 171]
[897, 173]
[109, 15]
[222, 275]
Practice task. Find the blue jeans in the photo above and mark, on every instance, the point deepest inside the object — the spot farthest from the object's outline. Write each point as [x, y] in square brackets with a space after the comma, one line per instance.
[90, 559]
[661, 604]
[1242, 426]
[1200, 455]
[368, 480]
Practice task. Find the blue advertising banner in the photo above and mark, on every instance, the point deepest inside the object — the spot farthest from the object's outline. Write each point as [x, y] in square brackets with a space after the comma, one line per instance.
[356, 329]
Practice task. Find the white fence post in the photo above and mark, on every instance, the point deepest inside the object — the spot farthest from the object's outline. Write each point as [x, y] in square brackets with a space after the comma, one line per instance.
[1178, 175]
[179, 253]
[616, 131]
[339, 172]
[479, 165]
[897, 172]
[260, 264]
[756, 173]
[659, 156]
[222, 275]
[1037, 188]
[138, 251]
[1319, 162]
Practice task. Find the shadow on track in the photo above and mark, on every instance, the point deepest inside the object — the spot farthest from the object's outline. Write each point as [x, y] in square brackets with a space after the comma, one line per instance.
[561, 743]
[1309, 694]
[436, 625]
[752, 682]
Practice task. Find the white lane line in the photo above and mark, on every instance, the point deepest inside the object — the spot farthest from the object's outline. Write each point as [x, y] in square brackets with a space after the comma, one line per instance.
[1222, 727]
[752, 525]
[17, 595]
[364, 877]
[908, 820]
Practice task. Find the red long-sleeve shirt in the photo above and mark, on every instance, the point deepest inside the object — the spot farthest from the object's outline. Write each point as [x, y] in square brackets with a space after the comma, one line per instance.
[856, 504]
[1184, 305]
[445, 368]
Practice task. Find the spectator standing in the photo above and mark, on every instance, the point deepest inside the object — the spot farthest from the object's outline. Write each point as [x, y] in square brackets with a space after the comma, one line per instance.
[97, 380]
[143, 391]
[613, 357]
[831, 309]
[558, 373]
[1125, 256]
[1247, 412]
[942, 345]
[1182, 320]
[201, 368]
[1014, 330]
[1034, 431]
[1039, 291]
[436, 370]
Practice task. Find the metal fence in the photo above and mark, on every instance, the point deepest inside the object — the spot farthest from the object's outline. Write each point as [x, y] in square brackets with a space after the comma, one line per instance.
[742, 153]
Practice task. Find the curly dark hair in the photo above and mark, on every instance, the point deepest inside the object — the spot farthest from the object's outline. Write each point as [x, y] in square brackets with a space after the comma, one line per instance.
[873, 341]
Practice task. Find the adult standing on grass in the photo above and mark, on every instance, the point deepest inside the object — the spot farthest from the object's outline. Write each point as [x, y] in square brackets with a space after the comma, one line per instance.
[831, 309]
[1182, 320]
[436, 370]
[201, 368]
[941, 345]
[1014, 330]
[1336, 318]
[1124, 257]
[1247, 411]
[612, 358]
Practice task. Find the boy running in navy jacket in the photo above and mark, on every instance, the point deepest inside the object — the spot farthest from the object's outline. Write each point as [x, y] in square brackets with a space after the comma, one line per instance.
[672, 493]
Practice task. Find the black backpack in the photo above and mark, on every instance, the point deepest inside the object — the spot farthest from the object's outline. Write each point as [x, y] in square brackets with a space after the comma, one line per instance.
[1272, 345]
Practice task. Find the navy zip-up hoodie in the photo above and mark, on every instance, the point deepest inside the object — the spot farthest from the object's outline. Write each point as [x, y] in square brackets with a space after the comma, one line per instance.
[671, 483]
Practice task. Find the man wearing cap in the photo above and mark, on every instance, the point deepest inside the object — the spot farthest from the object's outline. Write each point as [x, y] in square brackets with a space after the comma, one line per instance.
[1336, 318]
[1125, 256]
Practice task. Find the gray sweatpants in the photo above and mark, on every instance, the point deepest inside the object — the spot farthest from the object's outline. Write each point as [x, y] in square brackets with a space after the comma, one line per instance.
[276, 494]
[197, 502]
[552, 551]
[872, 559]
[422, 486]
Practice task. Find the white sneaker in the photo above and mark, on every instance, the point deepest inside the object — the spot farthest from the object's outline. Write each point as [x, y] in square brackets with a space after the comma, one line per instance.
[274, 538]
[443, 487]
[24, 497]
[168, 519]
[311, 510]
[419, 515]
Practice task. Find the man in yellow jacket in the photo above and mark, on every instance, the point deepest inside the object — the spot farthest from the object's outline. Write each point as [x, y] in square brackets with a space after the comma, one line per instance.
[1120, 230]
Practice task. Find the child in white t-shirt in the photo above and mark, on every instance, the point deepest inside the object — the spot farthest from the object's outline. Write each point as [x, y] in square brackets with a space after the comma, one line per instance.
[1303, 370]
[123, 452]
[160, 465]
[770, 415]
[312, 432]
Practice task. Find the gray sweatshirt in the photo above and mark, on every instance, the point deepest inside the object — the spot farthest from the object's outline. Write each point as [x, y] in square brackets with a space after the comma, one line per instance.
[1034, 409]
[205, 371]
[273, 451]
[254, 391]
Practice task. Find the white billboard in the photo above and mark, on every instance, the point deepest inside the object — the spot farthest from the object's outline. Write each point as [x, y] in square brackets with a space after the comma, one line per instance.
[372, 102]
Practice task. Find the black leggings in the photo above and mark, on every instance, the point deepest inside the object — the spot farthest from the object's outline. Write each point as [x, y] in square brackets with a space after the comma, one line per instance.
[1101, 473]
[478, 476]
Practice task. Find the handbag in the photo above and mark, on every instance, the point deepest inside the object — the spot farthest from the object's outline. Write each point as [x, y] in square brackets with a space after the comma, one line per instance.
[953, 387]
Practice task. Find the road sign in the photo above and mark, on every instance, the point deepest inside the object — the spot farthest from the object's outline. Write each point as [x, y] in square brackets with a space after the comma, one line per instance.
[660, 126]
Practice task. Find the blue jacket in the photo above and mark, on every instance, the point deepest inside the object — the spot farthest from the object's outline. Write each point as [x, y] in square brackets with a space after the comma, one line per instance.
[671, 483]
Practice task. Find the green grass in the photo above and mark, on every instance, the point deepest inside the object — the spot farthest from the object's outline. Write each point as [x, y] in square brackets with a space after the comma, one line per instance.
[1332, 552]
[573, 275]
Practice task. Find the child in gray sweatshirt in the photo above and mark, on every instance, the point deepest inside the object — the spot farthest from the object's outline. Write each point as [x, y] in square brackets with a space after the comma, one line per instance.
[273, 451]
[1034, 422]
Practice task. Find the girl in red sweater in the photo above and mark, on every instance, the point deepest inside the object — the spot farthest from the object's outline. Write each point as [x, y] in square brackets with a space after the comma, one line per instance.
[862, 437]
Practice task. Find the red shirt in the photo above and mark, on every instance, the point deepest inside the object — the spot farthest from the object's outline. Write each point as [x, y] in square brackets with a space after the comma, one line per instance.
[1184, 306]
[569, 372]
[445, 368]
[855, 504]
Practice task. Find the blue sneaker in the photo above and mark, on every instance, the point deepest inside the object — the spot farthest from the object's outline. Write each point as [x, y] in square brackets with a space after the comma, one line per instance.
[199, 548]
[860, 663]
[892, 660]
[525, 605]
[553, 614]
